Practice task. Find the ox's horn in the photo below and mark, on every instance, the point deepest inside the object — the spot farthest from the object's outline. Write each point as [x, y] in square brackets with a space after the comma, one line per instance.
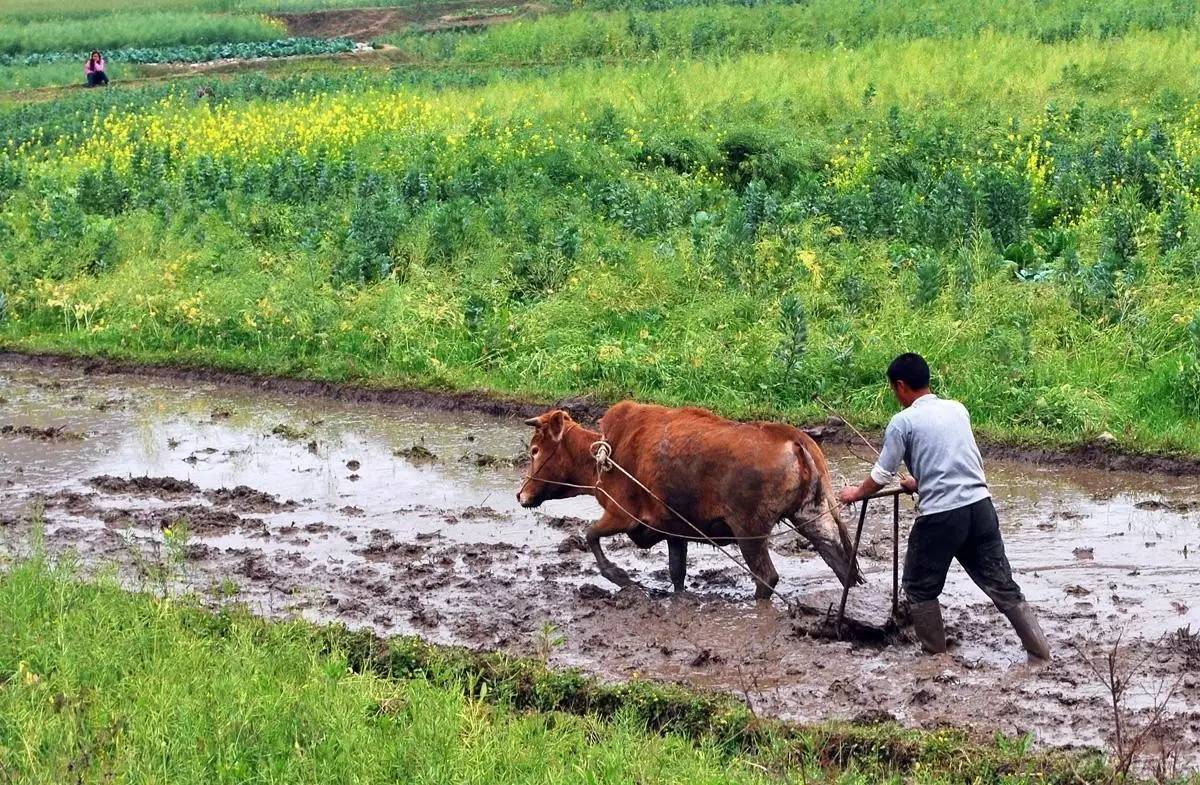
[533, 422]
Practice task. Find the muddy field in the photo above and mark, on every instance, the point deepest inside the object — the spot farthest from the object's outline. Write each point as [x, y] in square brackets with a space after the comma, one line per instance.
[405, 520]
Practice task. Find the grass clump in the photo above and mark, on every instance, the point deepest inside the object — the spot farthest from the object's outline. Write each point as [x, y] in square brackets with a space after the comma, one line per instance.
[103, 685]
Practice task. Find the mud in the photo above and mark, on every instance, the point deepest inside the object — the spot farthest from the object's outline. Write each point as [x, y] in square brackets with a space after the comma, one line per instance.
[162, 487]
[432, 542]
[48, 434]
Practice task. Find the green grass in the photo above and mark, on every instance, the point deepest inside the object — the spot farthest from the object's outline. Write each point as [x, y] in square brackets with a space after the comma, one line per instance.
[117, 31]
[27, 77]
[709, 30]
[99, 685]
[103, 686]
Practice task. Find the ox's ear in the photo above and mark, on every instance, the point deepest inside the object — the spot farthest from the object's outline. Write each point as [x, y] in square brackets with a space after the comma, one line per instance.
[556, 423]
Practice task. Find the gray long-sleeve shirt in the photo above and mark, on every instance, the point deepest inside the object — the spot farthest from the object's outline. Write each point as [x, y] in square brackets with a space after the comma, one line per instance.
[933, 437]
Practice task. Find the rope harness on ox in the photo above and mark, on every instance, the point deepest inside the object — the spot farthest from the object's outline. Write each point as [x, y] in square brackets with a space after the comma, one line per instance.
[601, 451]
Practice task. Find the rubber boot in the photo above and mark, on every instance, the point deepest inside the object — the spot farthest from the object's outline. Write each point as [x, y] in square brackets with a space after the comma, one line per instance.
[927, 624]
[1028, 630]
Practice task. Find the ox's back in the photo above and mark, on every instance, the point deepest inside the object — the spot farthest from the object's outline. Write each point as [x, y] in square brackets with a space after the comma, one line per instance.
[709, 469]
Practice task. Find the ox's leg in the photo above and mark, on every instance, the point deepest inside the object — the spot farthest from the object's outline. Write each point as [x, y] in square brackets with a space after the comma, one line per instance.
[607, 526]
[758, 559]
[677, 561]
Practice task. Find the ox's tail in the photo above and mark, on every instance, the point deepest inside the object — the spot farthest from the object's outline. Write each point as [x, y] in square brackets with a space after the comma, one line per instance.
[821, 522]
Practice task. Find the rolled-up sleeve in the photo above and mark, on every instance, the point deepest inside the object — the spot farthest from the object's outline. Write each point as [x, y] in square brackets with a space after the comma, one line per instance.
[894, 442]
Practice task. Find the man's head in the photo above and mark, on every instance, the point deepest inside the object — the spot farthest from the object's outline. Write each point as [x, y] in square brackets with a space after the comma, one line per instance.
[909, 376]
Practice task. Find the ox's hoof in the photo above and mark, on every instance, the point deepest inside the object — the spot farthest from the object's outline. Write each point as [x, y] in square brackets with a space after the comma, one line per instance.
[619, 577]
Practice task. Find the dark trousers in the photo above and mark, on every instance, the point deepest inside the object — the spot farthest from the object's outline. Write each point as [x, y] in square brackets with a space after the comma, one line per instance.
[970, 534]
[97, 78]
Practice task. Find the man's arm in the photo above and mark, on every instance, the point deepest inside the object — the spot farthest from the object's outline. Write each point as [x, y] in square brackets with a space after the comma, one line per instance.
[884, 471]
[852, 493]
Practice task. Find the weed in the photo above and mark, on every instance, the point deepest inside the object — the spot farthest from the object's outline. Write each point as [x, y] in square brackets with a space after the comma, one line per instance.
[1134, 742]
[547, 639]
[793, 327]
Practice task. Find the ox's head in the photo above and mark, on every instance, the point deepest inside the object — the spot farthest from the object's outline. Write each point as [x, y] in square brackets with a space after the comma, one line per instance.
[555, 462]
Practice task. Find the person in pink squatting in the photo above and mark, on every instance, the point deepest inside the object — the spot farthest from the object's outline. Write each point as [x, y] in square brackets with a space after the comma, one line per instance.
[94, 70]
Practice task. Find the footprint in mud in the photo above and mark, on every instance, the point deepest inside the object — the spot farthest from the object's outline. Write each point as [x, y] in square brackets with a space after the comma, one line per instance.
[255, 568]
[590, 591]
[290, 433]
[160, 487]
[572, 543]
[110, 403]
[417, 453]
[200, 521]
[477, 513]
[486, 461]
[247, 499]
[706, 657]
[424, 617]
[560, 521]
[198, 551]
[383, 546]
[194, 457]
[1158, 505]
[559, 569]
[50, 434]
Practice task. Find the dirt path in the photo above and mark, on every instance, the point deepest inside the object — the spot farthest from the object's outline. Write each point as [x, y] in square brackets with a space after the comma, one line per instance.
[364, 24]
[384, 56]
[404, 519]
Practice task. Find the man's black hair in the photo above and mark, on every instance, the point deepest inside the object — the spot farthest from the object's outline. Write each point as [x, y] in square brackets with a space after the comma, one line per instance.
[911, 369]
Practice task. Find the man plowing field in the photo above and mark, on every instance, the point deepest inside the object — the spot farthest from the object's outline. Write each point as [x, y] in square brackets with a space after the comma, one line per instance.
[956, 520]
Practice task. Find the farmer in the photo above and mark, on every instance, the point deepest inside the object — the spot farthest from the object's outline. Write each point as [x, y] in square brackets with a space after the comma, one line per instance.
[956, 519]
[93, 69]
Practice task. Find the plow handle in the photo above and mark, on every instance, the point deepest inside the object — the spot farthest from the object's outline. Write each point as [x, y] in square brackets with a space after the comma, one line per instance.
[862, 518]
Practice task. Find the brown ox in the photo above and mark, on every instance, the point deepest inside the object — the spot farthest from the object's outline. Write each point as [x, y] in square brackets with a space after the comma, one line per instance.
[725, 481]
